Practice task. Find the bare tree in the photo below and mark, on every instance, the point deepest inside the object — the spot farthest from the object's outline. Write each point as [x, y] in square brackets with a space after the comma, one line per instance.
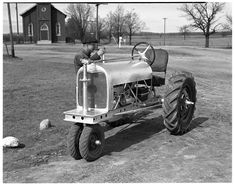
[133, 23]
[102, 28]
[118, 22]
[79, 17]
[184, 30]
[203, 16]
[228, 25]
[109, 22]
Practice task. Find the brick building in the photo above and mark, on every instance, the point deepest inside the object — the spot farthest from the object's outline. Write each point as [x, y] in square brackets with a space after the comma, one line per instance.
[43, 24]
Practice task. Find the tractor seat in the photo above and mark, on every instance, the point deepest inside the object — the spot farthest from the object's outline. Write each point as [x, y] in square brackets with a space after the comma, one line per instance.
[158, 79]
[159, 67]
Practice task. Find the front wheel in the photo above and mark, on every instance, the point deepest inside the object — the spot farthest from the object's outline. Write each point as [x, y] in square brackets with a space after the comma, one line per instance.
[73, 141]
[91, 142]
[179, 102]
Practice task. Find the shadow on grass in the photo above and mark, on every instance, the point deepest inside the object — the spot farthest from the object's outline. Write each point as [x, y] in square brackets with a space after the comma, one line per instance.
[143, 130]
[21, 145]
[9, 57]
[196, 123]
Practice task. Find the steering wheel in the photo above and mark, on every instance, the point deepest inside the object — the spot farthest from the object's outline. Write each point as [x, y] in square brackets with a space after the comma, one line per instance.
[145, 51]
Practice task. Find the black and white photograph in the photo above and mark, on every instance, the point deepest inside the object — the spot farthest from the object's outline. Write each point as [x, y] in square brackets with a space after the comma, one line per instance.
[116, 91]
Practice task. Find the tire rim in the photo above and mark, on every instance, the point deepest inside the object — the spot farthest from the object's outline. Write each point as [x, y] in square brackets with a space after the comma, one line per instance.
[185, 103]
[94, 143]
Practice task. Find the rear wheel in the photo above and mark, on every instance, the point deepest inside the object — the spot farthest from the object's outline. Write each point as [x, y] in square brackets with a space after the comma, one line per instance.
[73, 141]
[91, 142]
[179, 102]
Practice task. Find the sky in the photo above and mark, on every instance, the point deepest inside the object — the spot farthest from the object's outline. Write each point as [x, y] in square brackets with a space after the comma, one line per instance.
[151, 13]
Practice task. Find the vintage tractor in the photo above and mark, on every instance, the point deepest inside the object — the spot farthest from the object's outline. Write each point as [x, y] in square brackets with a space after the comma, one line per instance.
[109, 91]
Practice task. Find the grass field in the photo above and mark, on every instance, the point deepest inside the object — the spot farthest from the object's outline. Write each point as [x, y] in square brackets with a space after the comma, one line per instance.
[196, 40]
[41, 84]
[216, 41]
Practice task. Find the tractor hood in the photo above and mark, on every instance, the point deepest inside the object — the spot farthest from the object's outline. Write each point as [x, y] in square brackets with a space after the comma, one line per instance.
[122, 72]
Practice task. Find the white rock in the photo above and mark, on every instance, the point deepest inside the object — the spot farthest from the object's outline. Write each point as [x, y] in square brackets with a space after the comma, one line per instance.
[46, 123]
[189, 156]
[10, 142]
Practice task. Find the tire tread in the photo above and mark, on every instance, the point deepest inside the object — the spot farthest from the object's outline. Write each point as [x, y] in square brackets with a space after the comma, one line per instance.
[73, 141]
[170, 104]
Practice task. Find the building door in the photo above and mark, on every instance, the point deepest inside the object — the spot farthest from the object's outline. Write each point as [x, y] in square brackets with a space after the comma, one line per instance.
[44, 32]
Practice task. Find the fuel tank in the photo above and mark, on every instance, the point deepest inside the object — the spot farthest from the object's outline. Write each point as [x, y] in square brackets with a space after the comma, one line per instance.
[122, 72]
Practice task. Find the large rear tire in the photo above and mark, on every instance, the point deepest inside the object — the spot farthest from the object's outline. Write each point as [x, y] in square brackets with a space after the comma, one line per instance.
[73, 141]
[179, 102]
[91, 142]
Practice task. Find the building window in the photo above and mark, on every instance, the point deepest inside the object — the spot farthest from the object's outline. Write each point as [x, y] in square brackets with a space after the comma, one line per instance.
[58, 32]
[44, 27]
[44, 9]
[30, 29]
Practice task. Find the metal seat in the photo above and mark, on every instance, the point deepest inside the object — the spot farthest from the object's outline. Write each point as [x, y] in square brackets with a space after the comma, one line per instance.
[159, 67]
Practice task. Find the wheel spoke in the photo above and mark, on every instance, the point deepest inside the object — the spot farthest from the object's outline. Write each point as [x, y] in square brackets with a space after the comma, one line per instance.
[138, 51]
[146, 49]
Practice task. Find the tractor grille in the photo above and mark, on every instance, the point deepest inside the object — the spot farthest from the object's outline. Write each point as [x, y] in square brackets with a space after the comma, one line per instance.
[96, 90]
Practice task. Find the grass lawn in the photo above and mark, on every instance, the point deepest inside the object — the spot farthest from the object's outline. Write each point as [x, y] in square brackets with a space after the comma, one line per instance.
[41, 85]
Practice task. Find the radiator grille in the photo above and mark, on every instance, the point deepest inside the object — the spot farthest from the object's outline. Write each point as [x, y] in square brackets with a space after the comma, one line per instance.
[97, 90]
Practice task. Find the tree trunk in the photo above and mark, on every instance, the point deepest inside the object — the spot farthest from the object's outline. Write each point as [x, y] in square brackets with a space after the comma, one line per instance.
[110, 36]
[130, 35]
[117, 35]
[80, 35]
[207, 37]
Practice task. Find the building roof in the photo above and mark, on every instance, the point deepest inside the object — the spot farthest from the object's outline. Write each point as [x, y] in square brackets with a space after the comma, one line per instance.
[26, 11]
[59, 11]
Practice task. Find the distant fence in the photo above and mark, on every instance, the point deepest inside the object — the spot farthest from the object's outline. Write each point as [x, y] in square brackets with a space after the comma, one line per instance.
[218, 40]
[16, 39]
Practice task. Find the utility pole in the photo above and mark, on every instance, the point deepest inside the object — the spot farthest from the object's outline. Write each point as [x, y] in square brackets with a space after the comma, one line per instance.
[17, 22]
[10, 28]
[164, 30]
[97, 22]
